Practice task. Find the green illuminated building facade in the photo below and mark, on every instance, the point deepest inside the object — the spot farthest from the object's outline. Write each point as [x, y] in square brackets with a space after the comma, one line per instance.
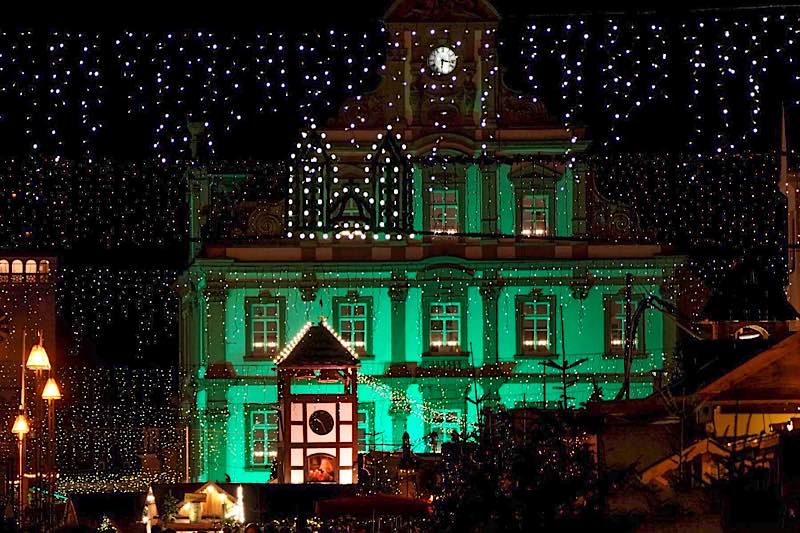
[438, 225]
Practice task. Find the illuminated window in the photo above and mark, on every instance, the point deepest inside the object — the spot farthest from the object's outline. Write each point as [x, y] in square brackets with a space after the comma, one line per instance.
[4, 266]
[445, 327]
[265, 325]
[30, 266]
[44, 266]
[352, 325]
[265, 322]
[444, 210]
[16, 266]
[536, 325]
[263, 436]
[444, 423]
[615, 326]
[366, 426]
[534, 214]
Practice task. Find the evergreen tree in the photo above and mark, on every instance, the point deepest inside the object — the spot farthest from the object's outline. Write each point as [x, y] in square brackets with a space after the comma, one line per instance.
[523, 476]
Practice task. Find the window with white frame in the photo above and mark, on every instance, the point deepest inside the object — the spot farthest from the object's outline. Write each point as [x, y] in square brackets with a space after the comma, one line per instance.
[352, 325]
[534, 214]
[262, 436]
[444, 422]
[615, 327]
[366, 426]
[265, 327]
[536, 325]
[444, 210]
[444, 321]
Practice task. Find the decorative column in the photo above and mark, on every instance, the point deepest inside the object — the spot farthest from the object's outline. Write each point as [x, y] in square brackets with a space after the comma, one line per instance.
[490, 291]
[580, 177]
[488, 174]
[215, 294]
[217, 432]
[399, 410]
[189, 423]
[398, 294]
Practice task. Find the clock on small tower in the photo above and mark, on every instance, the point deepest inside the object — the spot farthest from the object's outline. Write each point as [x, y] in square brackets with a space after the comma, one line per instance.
[318, 437]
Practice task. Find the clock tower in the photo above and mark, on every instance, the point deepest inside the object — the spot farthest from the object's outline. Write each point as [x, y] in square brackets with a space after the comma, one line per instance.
[318, 435]
[447, 54]
[442, 81]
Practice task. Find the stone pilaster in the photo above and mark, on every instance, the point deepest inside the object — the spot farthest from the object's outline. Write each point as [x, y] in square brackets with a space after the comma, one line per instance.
[216, 428]
[216, 295]
[580, 178]
[490, 291]
[398, 294]
[488, 174]
[217, 440]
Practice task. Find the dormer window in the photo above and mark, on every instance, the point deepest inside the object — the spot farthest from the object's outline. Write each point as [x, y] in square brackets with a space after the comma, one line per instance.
[444, 210]
[534, 214]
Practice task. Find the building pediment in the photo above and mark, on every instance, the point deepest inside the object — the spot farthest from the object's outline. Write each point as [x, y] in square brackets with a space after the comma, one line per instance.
[441, 11]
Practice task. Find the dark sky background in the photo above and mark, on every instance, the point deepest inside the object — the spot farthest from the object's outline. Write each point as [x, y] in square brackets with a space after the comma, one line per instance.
[119, 226]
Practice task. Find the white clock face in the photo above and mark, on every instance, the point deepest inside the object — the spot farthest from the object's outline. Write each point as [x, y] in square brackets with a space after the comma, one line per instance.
[442, 60]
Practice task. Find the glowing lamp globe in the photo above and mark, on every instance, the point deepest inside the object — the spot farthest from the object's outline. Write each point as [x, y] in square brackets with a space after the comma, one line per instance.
[21, 426]
[37, 359]
[51, 390]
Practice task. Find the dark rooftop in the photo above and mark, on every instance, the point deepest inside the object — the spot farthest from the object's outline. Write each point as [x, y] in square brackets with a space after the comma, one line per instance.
[747, 294]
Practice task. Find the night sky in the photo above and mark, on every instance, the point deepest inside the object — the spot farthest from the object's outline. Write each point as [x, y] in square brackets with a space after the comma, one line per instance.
[110, 205]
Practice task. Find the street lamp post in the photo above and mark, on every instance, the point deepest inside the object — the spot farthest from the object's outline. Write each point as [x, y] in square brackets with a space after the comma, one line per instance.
[50, 394]
[38, 362]
[21, 429]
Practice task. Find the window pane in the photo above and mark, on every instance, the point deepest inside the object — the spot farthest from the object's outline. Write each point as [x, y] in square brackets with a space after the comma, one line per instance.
[265, 327]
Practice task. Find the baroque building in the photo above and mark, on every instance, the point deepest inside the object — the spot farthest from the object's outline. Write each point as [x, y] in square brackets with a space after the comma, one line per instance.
[443, 227]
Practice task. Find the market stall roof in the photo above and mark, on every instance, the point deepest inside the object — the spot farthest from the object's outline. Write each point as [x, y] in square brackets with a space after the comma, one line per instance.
[317, 345]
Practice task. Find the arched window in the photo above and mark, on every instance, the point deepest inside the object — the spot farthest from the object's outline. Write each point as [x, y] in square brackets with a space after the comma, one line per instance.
[4, 266]
[16, 266]
[44, 266]
[30, 266]
[751, 332]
